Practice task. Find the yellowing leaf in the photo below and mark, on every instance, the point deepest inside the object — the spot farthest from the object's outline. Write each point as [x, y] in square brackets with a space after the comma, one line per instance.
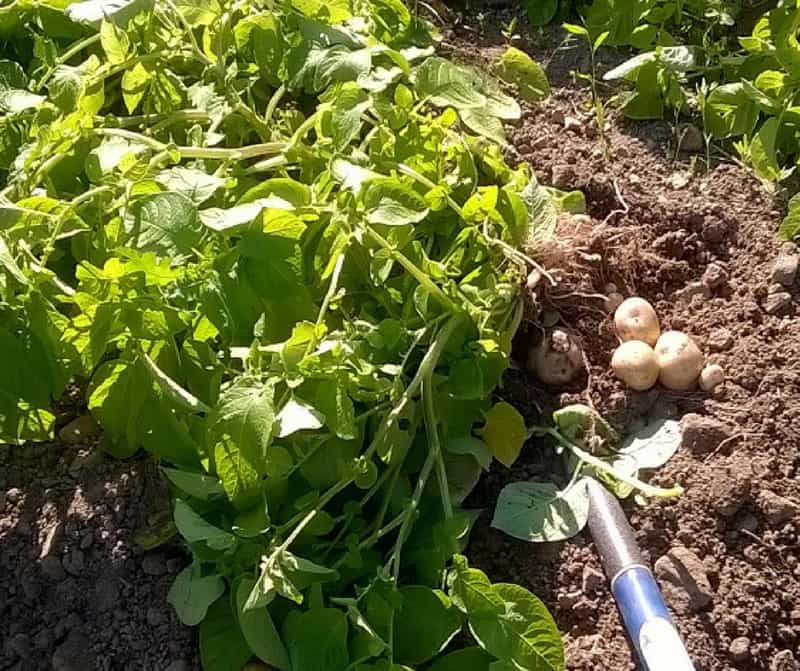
[504, 433]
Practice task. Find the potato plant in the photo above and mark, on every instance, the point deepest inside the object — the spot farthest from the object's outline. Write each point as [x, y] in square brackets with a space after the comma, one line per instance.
[277, 241]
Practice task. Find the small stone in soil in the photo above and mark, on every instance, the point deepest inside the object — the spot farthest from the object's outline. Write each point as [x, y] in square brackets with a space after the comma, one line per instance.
[720, 339]
[740, 649]
[178, 665]
[715, 276]
[684, 580]
[694, 290]
[154, 564]
[13, 495]
[783, 661]
[79, 430]
[784, 272]
[52, 568]
[777, 509]
[702, 434]
[20, 644]
[591, 580]
[778, 304]
[730, 489]
[72, 654]
[714, 230]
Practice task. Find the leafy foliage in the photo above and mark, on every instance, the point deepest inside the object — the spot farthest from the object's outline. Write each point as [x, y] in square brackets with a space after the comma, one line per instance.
[279, 240]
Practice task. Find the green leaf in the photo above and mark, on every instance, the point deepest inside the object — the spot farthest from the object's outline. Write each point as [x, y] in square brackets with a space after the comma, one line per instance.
[525, 633]
[579, 423]
[167, 224]
[520, 70]
[246, 417]
[259, 630]
[425, 624]
[115, 42]
[337, 407]
[484, 124]
[728, 111]
[192, 594]
[541, 513]
[390, 202]
[230, 219]
[135, 84]
[197, 185]
[763, 151]
[654, 445]
[222, 644]
[297, 415]
[790, 228]
[472, 446]
[447, 84]
[8, 262]
[198, 485]
[317, 640]
[504, 433]
[195, 529]
[471, 591]
[541, 12]
[177, 394]
[13, 101]
[468, 659]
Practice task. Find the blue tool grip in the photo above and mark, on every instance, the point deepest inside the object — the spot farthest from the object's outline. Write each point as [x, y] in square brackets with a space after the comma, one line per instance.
[648, 621]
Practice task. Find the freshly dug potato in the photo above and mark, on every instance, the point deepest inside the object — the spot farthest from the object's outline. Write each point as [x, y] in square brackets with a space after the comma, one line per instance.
[636, 319]
[711, 376]
[679, 359]
[558, 359]
[634, 362]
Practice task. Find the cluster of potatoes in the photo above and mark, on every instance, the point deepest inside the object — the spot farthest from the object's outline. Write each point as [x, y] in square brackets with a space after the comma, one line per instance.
[647, 356]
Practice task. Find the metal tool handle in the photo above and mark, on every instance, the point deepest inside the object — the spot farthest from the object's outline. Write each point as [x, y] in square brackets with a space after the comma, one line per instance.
[643, 610]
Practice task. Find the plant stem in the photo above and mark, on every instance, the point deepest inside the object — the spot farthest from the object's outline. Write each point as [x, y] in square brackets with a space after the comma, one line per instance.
[418, 274]
[434, 445]
[600, 465]
[273, 103]
[69, 53]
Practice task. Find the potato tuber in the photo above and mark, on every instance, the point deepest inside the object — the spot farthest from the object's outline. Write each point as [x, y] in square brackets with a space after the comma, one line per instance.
[558, 359]
[636, 319]
[711, 376]
[679, 359]
[634, 362]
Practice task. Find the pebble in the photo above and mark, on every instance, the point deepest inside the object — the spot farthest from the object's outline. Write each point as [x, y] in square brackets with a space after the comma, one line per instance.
[178, 665]
[72, 654]
[729, 490]
[720, 339]
[591, 580]
[777, 509]
[692, 290]
[52, 568]
[79, 430]
[13, 495]
[702, 434]
[74, 562]
[691, 139]
[572, 123]
[784, 272]
[684, 580]
[740, 649]
[20, 644]
[154, 564]
[777, 304]
[715, 276]
[783, 661]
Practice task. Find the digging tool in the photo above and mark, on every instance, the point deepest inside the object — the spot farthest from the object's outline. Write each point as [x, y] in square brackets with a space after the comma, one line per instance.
[644, 612]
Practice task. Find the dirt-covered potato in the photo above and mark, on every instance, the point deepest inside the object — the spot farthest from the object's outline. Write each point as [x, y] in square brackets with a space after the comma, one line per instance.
[558, 359]
[634, 362]
[711, 376]
[636, 319]
[679, 359]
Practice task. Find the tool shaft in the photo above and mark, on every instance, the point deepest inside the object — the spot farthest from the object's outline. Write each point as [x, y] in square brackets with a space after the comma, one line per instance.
[643, 610]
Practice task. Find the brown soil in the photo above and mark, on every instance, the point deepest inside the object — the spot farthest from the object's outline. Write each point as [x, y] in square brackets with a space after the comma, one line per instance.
[77, 592]
[659, 221]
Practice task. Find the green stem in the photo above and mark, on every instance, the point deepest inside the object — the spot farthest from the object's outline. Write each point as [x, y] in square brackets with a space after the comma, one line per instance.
[600, 465]
[332, 288]
[69, 53]
[298, 530]
[211, 153]
[273, 103]
[418, 274]
[434, 444]
[410, 172]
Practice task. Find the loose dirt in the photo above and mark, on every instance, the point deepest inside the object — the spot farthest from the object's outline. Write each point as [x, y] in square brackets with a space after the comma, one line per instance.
[702, 247]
